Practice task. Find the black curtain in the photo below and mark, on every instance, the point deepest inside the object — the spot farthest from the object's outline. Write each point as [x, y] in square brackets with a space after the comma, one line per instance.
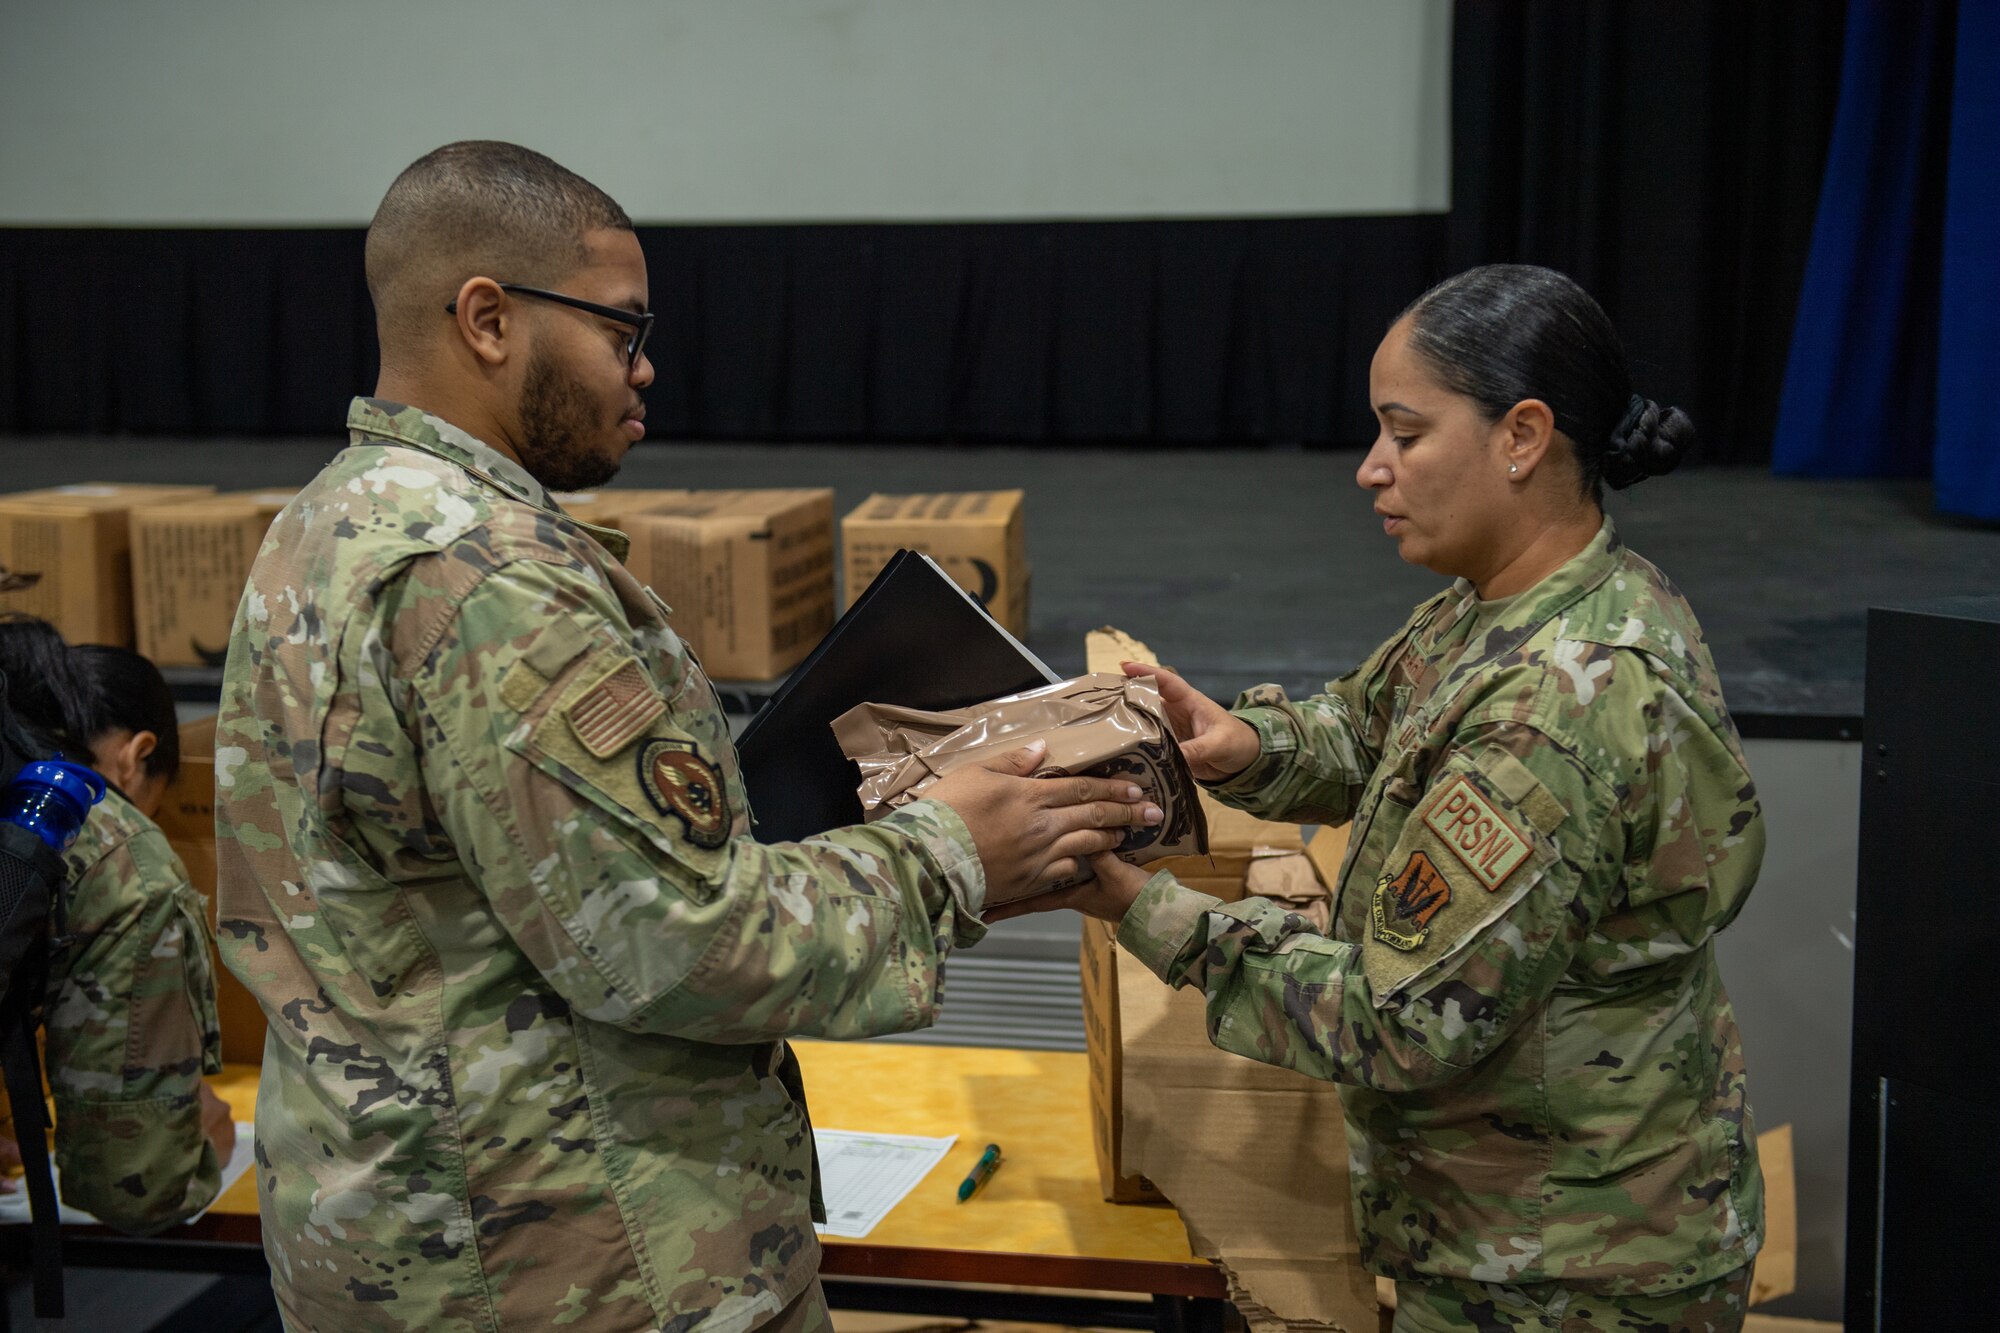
[182, 331]
[1201, 332]
[1667, 155]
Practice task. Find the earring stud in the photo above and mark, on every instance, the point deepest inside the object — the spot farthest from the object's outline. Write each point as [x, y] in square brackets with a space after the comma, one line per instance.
[1513, 467]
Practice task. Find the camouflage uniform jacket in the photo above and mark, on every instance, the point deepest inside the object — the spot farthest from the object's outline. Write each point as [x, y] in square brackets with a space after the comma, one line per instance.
[1551, 820]
[131, 1027]
[484, 861]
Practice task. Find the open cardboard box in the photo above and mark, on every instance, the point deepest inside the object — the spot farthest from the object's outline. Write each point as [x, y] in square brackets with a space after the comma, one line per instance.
[1253, 1156]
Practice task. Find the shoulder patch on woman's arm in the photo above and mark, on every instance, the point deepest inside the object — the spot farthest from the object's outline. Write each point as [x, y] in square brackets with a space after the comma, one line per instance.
[1469, 851]
[1484, 841]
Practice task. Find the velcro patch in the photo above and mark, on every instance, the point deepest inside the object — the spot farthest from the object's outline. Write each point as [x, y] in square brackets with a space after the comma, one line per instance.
[558, 644]
[1407, 902]
[615, 709]
[1473, 830]
[681, 782]
[521, 686]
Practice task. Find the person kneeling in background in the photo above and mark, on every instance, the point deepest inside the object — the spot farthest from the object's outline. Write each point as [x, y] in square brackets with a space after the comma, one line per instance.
[130, 1010]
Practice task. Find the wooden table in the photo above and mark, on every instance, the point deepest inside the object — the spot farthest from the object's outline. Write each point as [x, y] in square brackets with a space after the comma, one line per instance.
[1040, 1222]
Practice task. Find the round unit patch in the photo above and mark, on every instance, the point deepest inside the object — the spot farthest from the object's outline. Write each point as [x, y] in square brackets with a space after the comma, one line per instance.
[681, 783]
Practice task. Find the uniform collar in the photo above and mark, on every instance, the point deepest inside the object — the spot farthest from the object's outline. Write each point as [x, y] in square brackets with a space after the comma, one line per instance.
[1536, 606]
[378, 419]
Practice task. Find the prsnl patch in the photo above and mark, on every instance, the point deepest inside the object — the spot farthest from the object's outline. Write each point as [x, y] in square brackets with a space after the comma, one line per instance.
[1473, 830]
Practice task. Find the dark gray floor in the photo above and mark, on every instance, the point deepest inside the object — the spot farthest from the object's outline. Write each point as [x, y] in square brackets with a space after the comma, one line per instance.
[1239, 567]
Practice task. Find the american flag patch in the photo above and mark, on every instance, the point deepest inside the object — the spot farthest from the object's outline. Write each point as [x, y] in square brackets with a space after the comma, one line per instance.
[615, 711]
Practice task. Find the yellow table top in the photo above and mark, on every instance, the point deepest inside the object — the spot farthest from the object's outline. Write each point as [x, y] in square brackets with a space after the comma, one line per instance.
[1044, 1200]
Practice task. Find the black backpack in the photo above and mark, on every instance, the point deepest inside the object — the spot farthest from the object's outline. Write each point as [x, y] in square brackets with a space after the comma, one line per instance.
[31, 882]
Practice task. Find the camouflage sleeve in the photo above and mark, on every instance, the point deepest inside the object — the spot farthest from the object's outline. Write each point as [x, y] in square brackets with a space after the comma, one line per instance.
[131, 1029]
[1315, 754]
[599, 818]
[1478, 908]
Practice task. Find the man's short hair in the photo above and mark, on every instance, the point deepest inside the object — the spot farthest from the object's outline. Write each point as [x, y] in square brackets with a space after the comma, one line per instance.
[469, 209]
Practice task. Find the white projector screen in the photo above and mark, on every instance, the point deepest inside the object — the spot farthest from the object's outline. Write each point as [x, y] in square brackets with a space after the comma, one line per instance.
[300, 112]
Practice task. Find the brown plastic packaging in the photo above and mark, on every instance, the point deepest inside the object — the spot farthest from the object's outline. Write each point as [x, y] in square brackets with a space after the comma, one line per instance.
[1094, 726]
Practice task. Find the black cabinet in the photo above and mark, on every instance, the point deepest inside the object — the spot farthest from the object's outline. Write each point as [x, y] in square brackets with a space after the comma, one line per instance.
[1924, 1130]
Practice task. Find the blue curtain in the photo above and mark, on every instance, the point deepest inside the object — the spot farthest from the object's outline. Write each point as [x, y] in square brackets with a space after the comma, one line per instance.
[1858, 389]
[1968, 427]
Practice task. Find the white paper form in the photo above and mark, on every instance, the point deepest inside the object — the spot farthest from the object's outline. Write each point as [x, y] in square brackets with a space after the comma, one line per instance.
[863, 1176]
[14, 1207]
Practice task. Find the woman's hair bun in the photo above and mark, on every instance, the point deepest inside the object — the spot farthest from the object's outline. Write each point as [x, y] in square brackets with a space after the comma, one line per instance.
[1649, 441]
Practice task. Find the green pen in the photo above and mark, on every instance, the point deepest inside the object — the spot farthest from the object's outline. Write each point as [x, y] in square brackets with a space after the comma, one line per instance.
[982, 1171]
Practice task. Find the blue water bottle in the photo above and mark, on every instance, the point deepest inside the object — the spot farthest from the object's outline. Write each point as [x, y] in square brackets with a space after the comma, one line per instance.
[51, 799]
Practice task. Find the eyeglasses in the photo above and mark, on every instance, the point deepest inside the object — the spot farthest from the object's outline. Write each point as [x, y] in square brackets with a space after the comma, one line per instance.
[640, 321]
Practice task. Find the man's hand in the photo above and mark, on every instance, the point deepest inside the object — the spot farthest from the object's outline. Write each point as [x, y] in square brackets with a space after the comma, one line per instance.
[1108, 897]
[1216, 743]
[1034, 832]
[219, 1124]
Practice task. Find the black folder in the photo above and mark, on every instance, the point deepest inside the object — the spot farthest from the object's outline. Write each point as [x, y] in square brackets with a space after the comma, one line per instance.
[913, 638]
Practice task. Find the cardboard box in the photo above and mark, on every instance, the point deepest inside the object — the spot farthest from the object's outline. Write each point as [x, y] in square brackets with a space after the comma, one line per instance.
[1110, 1037]
[66, 555]
[187, 817]
[1777, 1272]
[190, 561]
[1234, 839]
[749, 574]
[980, 537]
[1253, 1156]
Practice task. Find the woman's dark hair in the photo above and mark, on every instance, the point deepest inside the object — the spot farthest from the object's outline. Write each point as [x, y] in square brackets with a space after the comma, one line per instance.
[67, 697]
[1503, 333]
[45, 692]
[131, 695]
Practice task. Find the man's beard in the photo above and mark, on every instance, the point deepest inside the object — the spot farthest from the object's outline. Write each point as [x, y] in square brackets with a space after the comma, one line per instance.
[558, 421]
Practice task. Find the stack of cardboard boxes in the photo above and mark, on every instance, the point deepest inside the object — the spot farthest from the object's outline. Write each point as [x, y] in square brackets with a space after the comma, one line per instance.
[66, 555]
[749, 573]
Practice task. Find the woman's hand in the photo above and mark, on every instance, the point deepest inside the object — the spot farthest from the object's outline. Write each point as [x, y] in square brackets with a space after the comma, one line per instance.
[1216, 743]
[1108, 897]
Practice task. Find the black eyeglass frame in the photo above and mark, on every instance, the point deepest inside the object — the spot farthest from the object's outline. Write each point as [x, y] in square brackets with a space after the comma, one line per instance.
[639, 321]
